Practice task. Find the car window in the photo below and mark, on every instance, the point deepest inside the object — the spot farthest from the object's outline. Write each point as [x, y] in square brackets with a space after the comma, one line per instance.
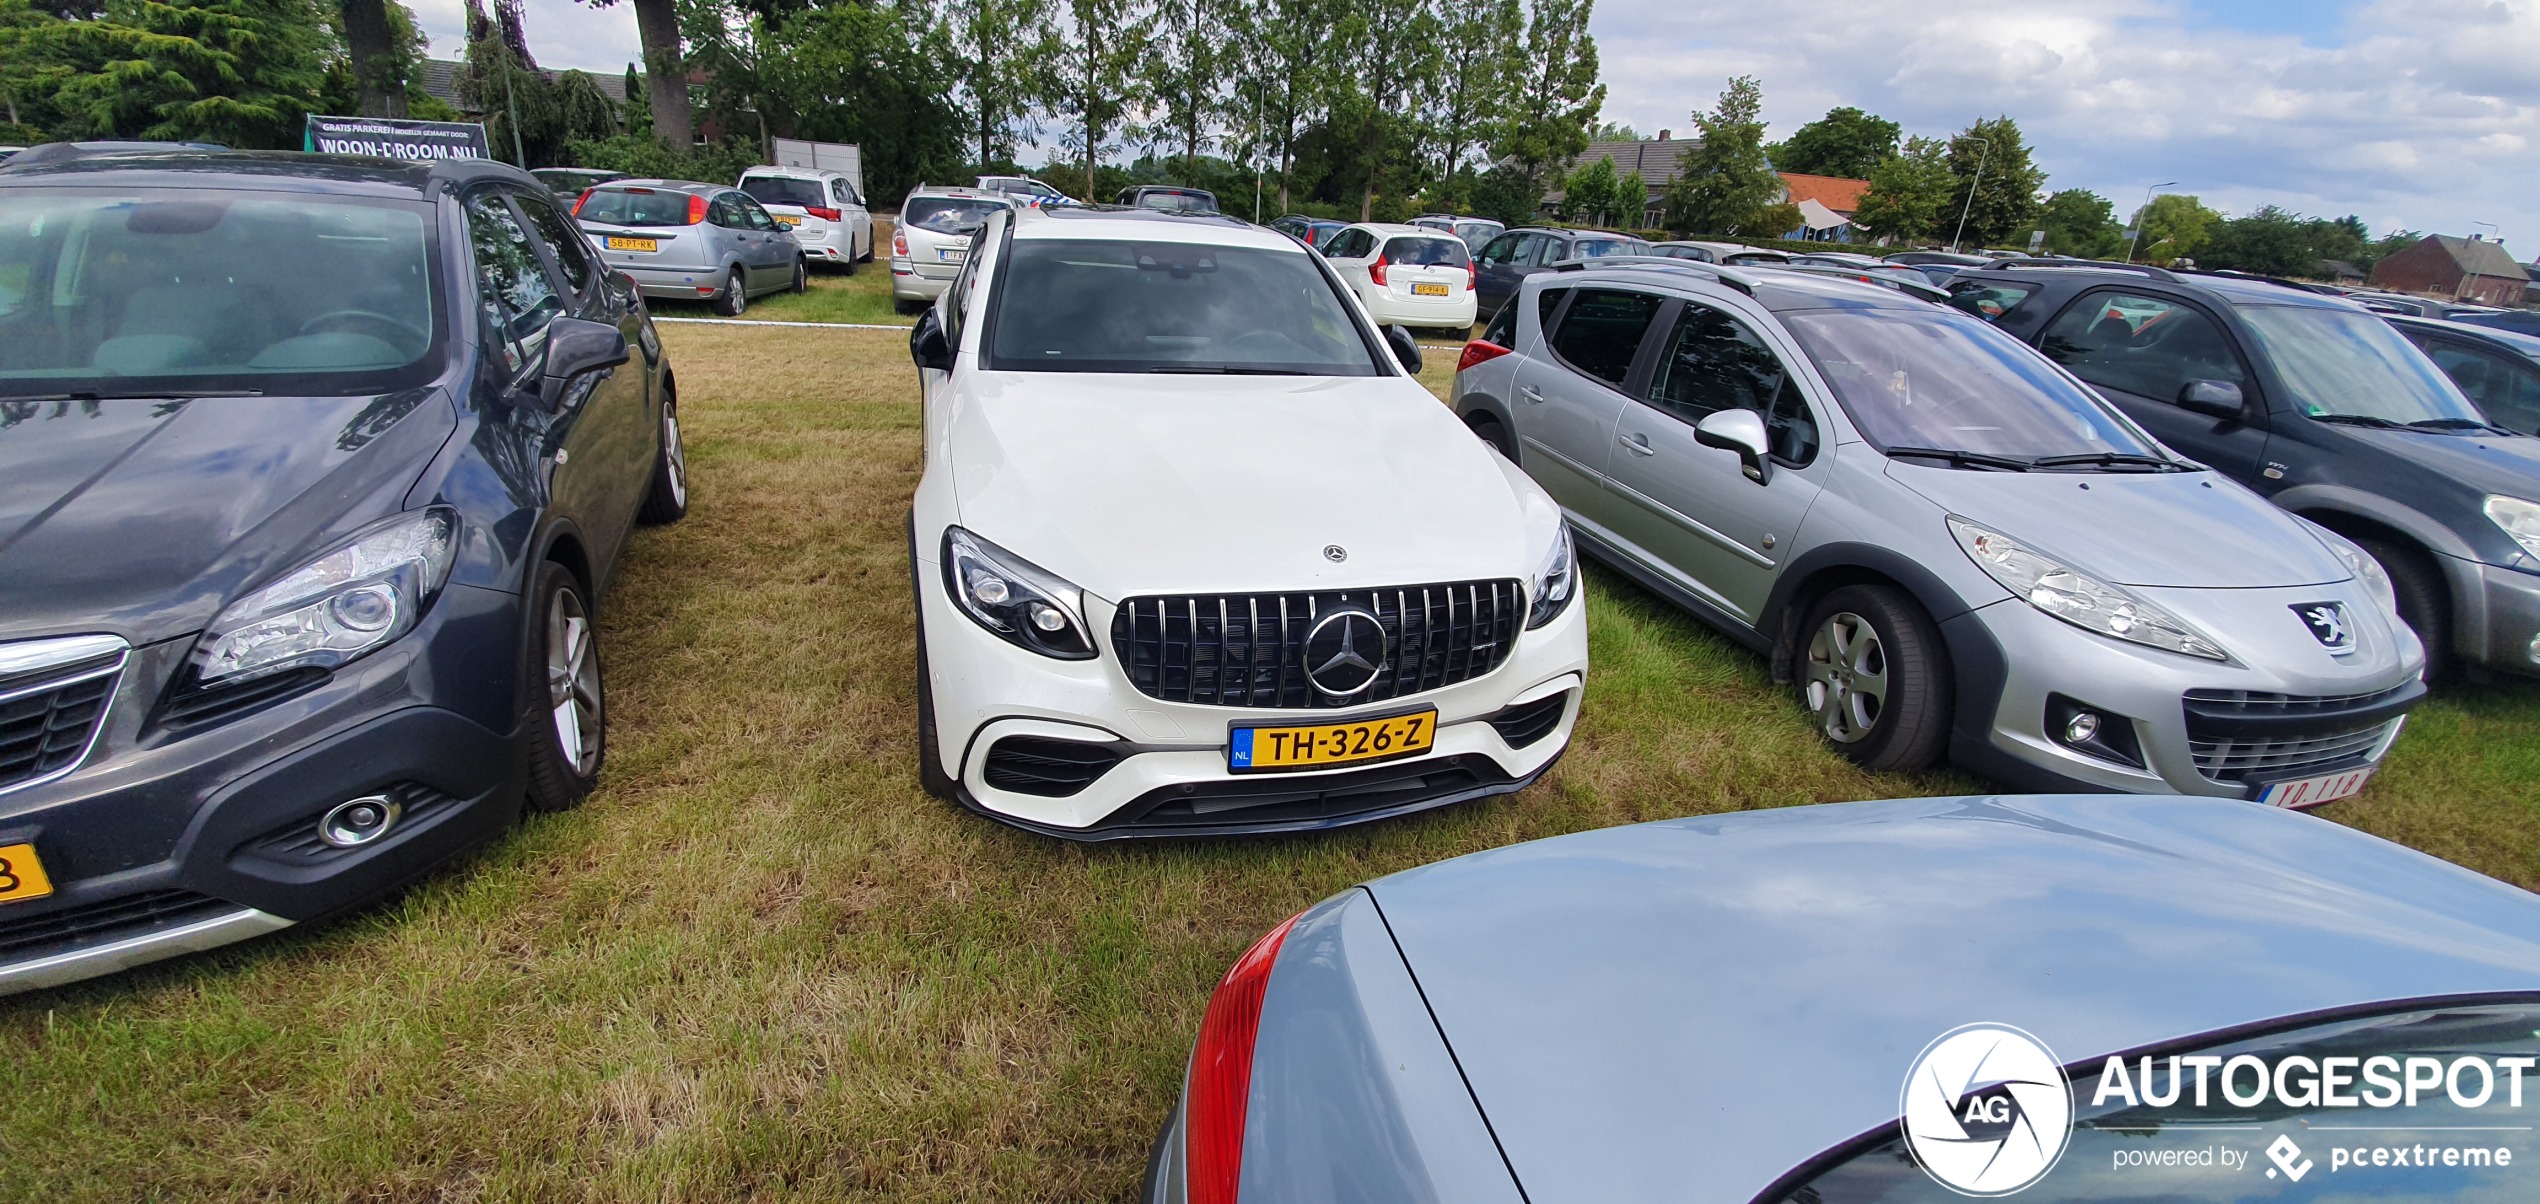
[2423, 1105]
[572, 249]
[519, 300]
[2507, 390]
[757, 217]
[722, 212]
[1100, 305]
[782, 190]
[1501, 249]
[2337, 363]
[949, 214]
[2141, 345]
[1929, 377]
[1714, 362]
[1412, 251]
[1547, 303]
[842, 193]
[1603, 330]
[634, 207]
[1990, 299]
[1599, 248]
[1502, 331]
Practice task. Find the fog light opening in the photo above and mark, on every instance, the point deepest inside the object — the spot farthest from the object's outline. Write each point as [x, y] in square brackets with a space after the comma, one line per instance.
[359, 821]
[2082, 729]
[2092, 732]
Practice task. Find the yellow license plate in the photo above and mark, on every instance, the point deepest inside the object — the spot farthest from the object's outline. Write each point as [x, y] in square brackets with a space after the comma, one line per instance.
[1321, 745]
[21, 874]
[633, 244]
[786, 219]
[1428, 290]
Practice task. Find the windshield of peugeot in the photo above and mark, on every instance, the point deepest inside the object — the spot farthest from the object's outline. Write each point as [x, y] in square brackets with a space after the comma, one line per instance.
[1091, 305]
[1937, 385]
[2353, 368]
[206, 291]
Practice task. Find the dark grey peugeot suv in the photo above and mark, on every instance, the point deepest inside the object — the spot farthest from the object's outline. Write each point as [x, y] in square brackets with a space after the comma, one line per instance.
[311, 472]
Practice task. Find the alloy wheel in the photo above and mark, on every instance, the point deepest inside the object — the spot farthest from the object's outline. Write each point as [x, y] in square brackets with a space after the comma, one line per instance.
[573, 683]
[1847, 677]
[674, 454]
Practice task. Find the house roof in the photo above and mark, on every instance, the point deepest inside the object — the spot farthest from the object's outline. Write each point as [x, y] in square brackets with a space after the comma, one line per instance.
[1834, 192]
[440, 80]
[2478, 257]
[1656, 159]
[1816, 216]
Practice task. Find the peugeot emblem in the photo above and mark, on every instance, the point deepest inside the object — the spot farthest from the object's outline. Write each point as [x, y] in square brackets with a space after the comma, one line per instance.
[1344, 651]
[1335, 553]
[2328, 624]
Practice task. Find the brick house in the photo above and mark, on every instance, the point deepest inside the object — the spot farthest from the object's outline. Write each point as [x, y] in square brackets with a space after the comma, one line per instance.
[2464, 269]
[1826, 205]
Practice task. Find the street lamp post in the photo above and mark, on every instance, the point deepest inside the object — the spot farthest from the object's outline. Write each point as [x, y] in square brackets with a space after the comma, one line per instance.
[1985, 147]
[2137, 236]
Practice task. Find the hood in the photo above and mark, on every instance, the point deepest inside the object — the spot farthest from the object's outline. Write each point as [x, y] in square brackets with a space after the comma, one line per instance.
[1144, 484]
[2485, 463]
[1687, 1010]
[142, 517]
[2189, 530]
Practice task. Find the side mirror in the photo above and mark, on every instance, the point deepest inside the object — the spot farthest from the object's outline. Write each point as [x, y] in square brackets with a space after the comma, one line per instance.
[927, 344]
[1740, 431]
[577, 347]
[1406, 350]
[2217, 398]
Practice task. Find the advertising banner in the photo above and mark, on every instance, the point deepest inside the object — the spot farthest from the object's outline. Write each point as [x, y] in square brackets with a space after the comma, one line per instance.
[394, 138]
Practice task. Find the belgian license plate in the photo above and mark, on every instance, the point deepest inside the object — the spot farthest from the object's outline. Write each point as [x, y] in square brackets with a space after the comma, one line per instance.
[633, 244]
[952, 254]
[2311, 792]
[22, 874]
[1322, 745]
[1428, 290]
[786, 220]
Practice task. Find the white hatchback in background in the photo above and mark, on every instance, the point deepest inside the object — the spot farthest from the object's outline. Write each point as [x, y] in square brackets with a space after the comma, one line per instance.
[1195, 554]
[931, 239]
[1407, 275]
[822, 208]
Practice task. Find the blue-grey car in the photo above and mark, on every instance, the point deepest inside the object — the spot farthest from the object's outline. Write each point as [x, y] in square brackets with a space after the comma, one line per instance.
[2069, 997]
[684, 241]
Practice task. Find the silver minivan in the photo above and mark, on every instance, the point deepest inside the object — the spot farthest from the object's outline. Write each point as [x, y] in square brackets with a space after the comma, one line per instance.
[1943, 540]
[685, 241]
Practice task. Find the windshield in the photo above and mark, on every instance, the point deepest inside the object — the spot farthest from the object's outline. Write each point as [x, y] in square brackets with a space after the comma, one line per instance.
[781, 190]
[2342, 364]
[634, 207]
[1936, 379]
[949, 214]
[1110, 306]
[209, 291]
[1427, 252]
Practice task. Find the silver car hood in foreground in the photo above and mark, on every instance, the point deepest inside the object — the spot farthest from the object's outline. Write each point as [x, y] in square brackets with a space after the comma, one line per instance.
[1686, 1010]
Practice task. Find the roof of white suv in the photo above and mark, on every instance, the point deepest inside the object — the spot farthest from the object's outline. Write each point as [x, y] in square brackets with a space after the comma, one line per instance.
[1148, 225]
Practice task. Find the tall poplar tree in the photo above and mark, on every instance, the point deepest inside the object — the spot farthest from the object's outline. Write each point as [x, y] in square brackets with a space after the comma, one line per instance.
[1554, 97]
[999, 53]
[1994, 171]
[1725, 184]
[1478, 55]
[1095, 76]
[1186, 76]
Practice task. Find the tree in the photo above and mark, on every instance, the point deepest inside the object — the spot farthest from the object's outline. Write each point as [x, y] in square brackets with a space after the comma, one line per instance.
[1906, 193]
[665, 71]
[1845, 142]
[873, 75]
[1996, 190]
[1478, 52]
[1554, 94]
[1725, 185]
[999, 52]
[2172, 226]
[1398, 44]
[1285, 68]
[1185, 76]
[1596, 195]
[2271, 241]
[1094, 77]
[1613, 131]
[238, 72]
[380, 54]
[2080, 222]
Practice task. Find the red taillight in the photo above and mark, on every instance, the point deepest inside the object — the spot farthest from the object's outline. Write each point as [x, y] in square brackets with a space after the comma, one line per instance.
[1473, 273]
[826, 215]
[899, 243]
[696, 209]
[1376, 270]
[1479, 351]
[578, 202]
[1221, 1075]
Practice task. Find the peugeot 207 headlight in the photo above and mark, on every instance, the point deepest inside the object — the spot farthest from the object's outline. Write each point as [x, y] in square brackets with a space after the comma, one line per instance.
[1555, 582]
[2519, 518]
[337, 607]
[2366, 569]
[1015, 598]
[2077, 597]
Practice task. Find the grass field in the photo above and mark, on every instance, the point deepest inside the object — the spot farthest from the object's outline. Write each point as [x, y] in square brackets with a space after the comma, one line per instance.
[760, 964]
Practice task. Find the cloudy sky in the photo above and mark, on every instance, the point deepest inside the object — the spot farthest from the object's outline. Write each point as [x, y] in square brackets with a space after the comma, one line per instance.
[2415, 113]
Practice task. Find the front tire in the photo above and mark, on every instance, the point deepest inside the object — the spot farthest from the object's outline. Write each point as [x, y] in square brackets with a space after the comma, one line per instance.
[735, 298]
[2424, 604]
[802, 276]
[1875, 677]
[564, 714]
[667, 501]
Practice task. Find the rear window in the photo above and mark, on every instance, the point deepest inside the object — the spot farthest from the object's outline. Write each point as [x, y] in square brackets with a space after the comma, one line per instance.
[1989, 299]
[635, 207]
[1427, 252]
[1187, 202]
[780, 190]
[949, 214]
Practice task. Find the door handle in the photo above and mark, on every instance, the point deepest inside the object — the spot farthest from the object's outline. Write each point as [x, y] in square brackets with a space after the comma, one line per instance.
[1530, 393]
[1638, 443]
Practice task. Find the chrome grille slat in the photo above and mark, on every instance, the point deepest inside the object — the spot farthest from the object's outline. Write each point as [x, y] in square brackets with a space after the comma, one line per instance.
[54, 704]
[1214, 649]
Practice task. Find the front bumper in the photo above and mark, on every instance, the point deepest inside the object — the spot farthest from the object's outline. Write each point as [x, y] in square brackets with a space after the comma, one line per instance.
[1172, 778]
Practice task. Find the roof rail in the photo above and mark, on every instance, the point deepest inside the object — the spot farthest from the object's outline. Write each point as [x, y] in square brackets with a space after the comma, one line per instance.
[1726, 275]
[2156, 273]
[1917, 289]
[2234, 274]
[64, 152]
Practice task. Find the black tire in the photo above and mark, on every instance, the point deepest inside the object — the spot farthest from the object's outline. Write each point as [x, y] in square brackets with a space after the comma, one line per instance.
[1491, 432]
[2425, 604]
[802, 276]
[560, 777]
[1902, 724]
[667, 500]
[852, 258]
[930, 762]
[867, 257]
[734, 300]
[905, 308]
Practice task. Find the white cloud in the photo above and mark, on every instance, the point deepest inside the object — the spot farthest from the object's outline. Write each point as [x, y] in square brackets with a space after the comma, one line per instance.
[563, 34]
[2414, 112]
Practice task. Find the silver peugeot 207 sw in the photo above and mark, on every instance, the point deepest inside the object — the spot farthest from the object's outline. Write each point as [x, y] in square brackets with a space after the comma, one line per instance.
[1946, 542]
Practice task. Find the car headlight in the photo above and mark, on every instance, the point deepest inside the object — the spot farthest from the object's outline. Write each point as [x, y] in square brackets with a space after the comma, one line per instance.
[2077, 597]
[1555, 582]
[1015, 598]
[2519, 518]
[337, 607]
[2366, 569]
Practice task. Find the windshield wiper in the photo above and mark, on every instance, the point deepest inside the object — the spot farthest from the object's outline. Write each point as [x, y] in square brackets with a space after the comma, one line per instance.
[2459, 424]
[135, 395]
[2359, 420]
[1223, 370]
[1963, 458]
[2110, 459]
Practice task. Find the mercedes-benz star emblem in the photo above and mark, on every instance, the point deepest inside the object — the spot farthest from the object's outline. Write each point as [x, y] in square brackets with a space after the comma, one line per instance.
[1335, 553]
[1344, 651]
[2327, 621]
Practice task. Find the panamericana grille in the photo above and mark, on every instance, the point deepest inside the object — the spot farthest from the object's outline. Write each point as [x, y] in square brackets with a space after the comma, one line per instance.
[2253, 736]
[1248, 650]
[49, 718]
[97, 923]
